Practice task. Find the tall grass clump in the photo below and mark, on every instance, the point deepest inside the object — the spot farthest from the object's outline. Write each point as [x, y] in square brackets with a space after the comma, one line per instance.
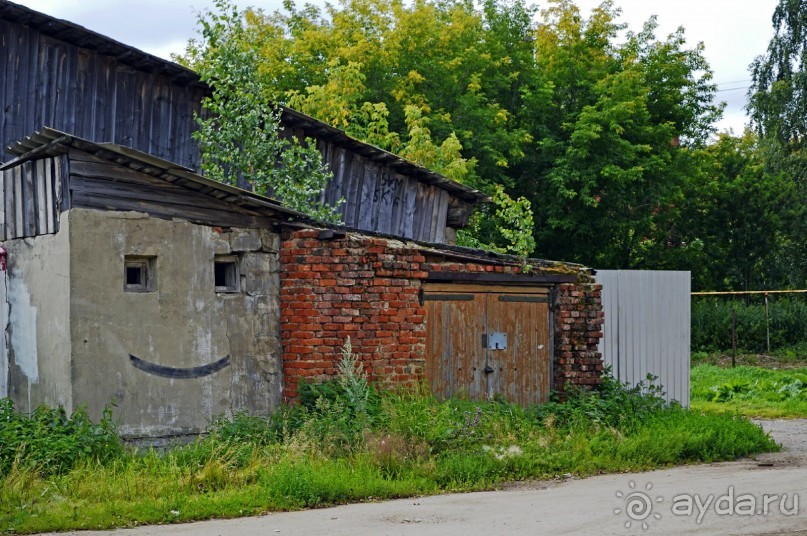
[51, 441]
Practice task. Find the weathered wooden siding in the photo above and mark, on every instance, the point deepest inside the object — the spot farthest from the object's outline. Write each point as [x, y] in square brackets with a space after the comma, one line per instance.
[31, 195]
[376, 197]
[59, 75]
[99, 184]
[48, 82]
[647, 327]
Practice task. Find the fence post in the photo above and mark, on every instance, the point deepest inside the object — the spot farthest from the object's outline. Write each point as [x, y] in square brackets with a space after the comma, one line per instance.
[767, 325]
[733, 338]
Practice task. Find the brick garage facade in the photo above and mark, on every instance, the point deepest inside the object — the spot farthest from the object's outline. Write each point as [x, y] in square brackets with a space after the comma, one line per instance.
[368, 289]
[578, 330]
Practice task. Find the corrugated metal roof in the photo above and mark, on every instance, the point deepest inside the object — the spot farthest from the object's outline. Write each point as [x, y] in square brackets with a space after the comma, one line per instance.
[49, 142]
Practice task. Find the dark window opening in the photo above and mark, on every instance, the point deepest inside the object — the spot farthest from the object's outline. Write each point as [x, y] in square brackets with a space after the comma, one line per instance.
[225, 272]
[135, 275]
[139, 274]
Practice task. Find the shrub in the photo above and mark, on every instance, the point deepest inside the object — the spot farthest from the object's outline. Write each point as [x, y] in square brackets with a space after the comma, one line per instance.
[613, 404]
[711, 324]
[52, 442]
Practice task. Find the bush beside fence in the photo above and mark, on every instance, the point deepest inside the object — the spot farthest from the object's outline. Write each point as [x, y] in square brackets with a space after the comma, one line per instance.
[711, 323]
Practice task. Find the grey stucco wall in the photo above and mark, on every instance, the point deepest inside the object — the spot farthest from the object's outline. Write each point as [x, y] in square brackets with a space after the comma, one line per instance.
[35, 314]
[182, 324]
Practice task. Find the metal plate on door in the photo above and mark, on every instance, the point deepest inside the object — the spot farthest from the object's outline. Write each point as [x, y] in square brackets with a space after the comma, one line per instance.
[497, 341]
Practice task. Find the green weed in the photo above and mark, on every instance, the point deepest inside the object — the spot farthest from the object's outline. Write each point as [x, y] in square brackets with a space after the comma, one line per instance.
[51, 441]
[751, 391]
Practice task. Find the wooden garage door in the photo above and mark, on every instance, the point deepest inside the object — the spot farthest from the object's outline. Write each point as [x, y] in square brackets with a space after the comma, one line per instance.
[484, 341]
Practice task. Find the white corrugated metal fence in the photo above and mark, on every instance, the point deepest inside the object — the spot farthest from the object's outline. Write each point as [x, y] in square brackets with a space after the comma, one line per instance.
[647, 327]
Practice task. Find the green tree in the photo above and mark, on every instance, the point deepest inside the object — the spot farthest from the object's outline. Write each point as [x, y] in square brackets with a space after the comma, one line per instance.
[778, 109]
[778, 93]
[239, 132]
[740, 212]
[595, 133]
[614, 124]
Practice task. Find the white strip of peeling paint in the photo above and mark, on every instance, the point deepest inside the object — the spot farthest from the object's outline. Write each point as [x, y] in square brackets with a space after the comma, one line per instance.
[3, 337]
[22, 324]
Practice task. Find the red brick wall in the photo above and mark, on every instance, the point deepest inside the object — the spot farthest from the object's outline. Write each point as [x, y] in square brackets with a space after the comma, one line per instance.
[368, 289]
[357, 287]
[578, 330]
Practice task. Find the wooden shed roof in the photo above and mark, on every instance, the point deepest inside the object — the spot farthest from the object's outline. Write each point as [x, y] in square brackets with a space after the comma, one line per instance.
[82, 37]
[51, 142]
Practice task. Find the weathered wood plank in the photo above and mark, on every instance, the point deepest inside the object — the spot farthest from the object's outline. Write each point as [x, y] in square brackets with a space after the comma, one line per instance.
[170, 211]
[61, 186]
[11, 109]
[439, 225]
[65, 79]
[50, 226]
[41, 84]
[113, 172]
[410, 207]
[28, 199]
[160, 117]
[9, 202]
[454, 288]
[386, 205]
[333, 190]
[3, 174]
[422, 213]
[127, 191]
[416, 220]
[41, 207]
[397, 202]
[126, 106]
[366, 205]
[354, 164]
[104, 96]
[85, 83]
[5, 38]
[143, 103]
[27, 77]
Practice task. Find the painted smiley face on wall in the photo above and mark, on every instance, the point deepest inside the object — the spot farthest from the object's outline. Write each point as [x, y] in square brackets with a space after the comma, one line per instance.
[177, 372]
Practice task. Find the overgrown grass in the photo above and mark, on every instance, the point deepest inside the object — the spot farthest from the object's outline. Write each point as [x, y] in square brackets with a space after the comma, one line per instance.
[750, 391]
[347, 442]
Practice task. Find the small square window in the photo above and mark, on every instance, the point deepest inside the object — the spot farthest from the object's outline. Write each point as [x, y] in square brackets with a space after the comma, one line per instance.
[139, 274]
[225, 272]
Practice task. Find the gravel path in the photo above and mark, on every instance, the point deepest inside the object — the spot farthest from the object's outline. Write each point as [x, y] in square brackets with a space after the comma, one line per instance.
[791, 433]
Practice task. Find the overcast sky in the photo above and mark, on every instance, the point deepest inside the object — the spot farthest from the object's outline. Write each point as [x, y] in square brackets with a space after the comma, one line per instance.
[733, 31]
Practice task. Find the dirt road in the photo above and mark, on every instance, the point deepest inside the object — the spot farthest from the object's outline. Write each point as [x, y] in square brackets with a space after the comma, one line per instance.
[762, 496]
